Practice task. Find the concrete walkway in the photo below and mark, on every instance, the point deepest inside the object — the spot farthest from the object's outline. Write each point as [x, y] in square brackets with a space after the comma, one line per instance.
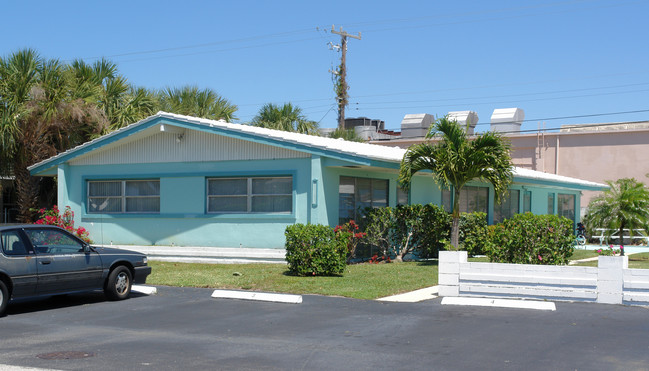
[208, 255]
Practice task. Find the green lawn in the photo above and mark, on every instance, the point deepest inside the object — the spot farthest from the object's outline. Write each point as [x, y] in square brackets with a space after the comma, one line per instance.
[636, 261]
[361, 281]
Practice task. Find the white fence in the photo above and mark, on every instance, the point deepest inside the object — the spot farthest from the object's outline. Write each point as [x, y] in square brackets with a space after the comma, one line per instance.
[610, 282]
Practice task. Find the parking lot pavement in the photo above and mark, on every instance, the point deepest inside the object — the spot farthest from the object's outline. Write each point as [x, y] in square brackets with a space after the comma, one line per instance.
[183, 328]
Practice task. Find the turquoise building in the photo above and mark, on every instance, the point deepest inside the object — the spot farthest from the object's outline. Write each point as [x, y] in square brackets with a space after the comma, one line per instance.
[185, 181]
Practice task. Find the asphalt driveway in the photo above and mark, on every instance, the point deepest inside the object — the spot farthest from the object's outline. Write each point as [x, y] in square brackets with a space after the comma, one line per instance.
[187, 329]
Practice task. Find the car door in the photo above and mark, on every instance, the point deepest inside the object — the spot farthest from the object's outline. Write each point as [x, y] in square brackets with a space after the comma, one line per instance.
[19, 262]
[63, 263]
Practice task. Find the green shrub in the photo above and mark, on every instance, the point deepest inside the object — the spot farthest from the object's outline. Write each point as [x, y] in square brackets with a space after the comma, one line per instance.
[530, 239]
[378, 224]
[473, 232]
[407, 229]
[314, 250]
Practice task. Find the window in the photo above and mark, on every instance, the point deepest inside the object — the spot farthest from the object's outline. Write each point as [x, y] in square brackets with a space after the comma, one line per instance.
[507, 207]
[550, 203]
[12, 244]
[471, 199]
[356, 194]
[402, 196]
[527, 201]
[52, 241]
[566, 206]
[124, 196]
[250, 195]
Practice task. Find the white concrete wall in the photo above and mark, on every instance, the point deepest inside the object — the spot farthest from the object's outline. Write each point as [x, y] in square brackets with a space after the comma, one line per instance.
[611, 282]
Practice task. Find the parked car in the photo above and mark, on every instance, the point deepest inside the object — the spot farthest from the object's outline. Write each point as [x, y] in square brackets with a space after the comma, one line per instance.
[44, 260]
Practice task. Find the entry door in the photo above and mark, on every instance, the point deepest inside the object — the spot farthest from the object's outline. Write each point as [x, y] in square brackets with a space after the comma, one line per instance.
[62, 263]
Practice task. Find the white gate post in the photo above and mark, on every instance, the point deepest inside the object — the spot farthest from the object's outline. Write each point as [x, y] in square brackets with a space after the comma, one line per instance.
[610, 278]
[449, 272]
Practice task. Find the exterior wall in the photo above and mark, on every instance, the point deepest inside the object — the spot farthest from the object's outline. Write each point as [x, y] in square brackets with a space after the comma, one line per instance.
[595, 156]
[183, 219]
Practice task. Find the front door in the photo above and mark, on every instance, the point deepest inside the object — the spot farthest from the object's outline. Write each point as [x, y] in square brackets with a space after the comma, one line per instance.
[63, 263]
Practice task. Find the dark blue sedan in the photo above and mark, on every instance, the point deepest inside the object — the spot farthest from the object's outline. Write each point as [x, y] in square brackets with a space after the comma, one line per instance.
[43, 260]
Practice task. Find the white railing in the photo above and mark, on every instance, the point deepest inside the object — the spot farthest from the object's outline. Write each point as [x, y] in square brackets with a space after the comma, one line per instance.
[611, 282]
[600, 233]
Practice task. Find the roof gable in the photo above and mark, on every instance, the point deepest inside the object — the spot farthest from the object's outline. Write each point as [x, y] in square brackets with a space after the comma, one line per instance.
[362, 153]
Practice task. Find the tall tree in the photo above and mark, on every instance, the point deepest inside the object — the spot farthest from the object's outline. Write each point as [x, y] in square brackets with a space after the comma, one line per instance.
[99, 83]
[286, 118]
[624, 205]
[190, 100]
[456, 160]
[38, 118]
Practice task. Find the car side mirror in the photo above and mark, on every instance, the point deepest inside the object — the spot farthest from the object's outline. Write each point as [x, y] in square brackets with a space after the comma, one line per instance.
[86, 248]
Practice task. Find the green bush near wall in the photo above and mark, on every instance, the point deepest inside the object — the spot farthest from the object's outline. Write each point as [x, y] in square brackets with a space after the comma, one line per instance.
[531, 239]
[314, 250]
[421, 230]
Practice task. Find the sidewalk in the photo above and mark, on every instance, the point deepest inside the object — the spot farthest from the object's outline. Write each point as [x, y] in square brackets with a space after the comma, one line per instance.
[208, 255]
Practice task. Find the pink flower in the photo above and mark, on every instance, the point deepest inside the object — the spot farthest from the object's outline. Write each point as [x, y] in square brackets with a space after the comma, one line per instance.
[540, 257]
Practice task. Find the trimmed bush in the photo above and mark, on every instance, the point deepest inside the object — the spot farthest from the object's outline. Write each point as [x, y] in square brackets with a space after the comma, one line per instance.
[314, 250]
[419, 230]
[473, 232]
[531, 239]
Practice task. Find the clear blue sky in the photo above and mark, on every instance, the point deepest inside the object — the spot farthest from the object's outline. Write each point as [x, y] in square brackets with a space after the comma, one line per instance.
[550, 58]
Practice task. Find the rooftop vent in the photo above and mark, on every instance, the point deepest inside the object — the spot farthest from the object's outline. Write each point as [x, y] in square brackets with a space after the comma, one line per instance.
[507, 119]
[416, 125]
[466, 119]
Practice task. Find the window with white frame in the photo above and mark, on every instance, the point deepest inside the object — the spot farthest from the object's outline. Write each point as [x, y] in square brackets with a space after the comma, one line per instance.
[250, 195]
[123, 196]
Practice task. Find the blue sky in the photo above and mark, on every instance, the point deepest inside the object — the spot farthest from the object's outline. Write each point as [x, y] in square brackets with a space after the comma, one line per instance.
[551, 58]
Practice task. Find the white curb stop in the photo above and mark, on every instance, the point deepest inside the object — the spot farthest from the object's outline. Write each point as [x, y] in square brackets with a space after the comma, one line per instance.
[259, 296]
[146, 290]
[500, 303]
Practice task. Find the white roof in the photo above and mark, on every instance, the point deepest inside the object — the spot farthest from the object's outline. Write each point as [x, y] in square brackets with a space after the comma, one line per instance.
[365, 150]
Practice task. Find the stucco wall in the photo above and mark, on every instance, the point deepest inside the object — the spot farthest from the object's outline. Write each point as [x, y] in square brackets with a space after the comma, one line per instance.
[183, 219]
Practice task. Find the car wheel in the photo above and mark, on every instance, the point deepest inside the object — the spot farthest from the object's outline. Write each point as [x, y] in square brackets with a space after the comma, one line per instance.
[4, 298]
[118, 286]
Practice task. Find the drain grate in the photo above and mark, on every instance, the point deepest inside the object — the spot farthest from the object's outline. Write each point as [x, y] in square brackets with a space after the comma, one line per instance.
[66, 355]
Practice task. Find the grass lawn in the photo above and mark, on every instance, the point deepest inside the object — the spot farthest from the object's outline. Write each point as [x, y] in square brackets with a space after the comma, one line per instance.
[636, 261]
[360, 281]
[583, 254]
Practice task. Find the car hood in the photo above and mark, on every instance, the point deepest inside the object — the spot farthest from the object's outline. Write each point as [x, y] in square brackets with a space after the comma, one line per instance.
[112, 250]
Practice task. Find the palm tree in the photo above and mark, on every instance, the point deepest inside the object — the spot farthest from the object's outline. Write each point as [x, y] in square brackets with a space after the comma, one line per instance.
[100, 84]
[624, 205]
[346, 134]
[39, 117]
[189, 100]
[455, 160]
[286, 118]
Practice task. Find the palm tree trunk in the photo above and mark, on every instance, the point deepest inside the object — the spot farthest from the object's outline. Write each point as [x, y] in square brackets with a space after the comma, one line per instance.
[26, 195]
[455, 227]
[621, 233]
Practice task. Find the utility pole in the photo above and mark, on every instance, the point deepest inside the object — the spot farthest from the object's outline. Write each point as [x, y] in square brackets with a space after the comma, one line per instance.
[341, 86]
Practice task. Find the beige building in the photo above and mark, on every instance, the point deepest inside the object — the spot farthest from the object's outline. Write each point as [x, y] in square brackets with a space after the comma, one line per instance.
[595, 152]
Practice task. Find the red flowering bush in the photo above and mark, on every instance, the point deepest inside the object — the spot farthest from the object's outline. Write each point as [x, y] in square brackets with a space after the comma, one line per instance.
[53, 216]
[610, 251]
[349, 235]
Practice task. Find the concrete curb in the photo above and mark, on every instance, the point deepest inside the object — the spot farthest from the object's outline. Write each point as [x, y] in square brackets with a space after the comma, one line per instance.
[413, 296]
[500, 303]
[259, 296]
[146, 290]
